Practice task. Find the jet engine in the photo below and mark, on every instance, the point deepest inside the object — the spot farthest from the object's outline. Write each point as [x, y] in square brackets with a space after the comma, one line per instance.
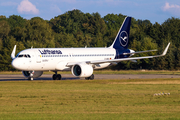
[36, 74]
[82, 70]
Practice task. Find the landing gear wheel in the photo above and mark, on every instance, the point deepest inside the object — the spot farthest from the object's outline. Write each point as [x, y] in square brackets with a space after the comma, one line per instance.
[30, 78]
[56, 77]
[90, 78]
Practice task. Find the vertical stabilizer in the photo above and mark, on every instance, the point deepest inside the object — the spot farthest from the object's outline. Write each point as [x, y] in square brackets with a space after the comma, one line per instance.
[122, 39]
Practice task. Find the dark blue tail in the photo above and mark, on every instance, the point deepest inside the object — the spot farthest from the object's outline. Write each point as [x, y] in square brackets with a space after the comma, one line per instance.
[122, 39]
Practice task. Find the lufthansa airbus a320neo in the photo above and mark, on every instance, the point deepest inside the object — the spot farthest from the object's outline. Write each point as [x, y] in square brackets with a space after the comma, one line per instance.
[80, 61]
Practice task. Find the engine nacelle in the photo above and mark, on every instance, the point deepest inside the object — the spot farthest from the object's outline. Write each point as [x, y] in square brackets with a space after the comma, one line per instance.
[82, 70]
[36, 74]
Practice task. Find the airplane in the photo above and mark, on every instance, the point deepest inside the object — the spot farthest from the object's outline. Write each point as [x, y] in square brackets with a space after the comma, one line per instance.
[80, 61]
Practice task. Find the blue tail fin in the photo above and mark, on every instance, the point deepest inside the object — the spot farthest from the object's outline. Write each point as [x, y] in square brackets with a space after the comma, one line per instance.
[122, 39]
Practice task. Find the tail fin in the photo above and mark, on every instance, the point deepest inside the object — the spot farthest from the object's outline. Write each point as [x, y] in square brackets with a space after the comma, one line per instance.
[122, 39]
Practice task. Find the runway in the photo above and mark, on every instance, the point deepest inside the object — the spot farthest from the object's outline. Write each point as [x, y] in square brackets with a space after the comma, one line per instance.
[97, 76]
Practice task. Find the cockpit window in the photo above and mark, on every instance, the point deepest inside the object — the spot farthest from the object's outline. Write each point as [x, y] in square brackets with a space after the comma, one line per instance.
[29, 56]
[24, 55]
[20, 56]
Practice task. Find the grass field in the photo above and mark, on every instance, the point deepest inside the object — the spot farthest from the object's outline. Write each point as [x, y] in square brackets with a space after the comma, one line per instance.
[83, 100]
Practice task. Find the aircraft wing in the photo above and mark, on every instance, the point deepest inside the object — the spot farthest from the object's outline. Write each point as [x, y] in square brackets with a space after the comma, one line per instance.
[126, 59]
[119, 60]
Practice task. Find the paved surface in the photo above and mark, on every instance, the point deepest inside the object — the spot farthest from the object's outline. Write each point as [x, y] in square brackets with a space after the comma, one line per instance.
[97, 76]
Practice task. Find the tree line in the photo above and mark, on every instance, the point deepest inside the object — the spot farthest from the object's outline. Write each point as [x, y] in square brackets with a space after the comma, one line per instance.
[77, 29]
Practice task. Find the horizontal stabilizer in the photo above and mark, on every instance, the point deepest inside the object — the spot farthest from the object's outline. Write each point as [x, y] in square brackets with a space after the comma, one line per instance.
[139, 52]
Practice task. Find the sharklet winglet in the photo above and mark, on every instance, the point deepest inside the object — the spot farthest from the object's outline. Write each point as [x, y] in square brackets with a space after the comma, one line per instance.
[13, 52]
[166, 49]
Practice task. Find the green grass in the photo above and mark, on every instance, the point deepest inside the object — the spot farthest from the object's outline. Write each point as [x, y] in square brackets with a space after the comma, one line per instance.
[110, 72]
[137, 72]
[83, 99]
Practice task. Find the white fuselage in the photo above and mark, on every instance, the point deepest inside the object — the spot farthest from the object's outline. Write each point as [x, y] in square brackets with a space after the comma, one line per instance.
[56, 59]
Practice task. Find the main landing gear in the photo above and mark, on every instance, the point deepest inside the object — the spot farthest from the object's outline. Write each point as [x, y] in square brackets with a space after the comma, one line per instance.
[90, 78]
[56, 76]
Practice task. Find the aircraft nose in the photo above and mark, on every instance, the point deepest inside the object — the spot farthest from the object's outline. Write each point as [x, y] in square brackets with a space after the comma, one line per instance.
[16, 64]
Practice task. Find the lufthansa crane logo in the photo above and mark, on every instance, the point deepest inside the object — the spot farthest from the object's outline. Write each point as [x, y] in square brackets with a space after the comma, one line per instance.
[123, 38]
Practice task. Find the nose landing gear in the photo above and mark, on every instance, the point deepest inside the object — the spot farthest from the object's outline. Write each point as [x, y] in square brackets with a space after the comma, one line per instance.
[31, 75]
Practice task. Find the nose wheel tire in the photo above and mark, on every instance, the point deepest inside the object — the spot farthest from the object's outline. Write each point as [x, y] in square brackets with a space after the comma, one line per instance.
[30, 78]
[56, 77]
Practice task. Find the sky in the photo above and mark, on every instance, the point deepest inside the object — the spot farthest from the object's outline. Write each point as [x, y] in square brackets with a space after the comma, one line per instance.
[153, 10]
